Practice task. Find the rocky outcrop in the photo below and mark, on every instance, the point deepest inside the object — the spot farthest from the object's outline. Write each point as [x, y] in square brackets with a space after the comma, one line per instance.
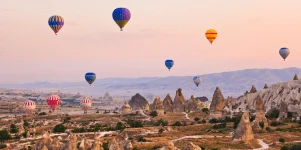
[45, 141]
[168, 104]
[147, 108]
[191, 146]
[253, 89]
[107, 97]
[192, 105]
[283, 110]
[56, 145]
[259, 105]
[85, 144]
[244, 131]
[170, 146]
[114, 145]
[158, 106]
[179, 102]
[260, 114]
[296, 77]
[126, 108]
[202, 99]
[265, 86]
[137, 102]
[121, 143]
[218, 101]
[72, 142]
[97, 145]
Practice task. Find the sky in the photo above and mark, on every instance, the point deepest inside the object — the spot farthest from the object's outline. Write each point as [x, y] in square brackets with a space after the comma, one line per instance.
[250, 34]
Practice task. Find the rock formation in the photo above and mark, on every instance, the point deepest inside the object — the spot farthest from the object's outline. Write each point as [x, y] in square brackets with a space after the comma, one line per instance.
[202, 99]
[244, 131]
[56, 145]
[158, 106]
[107, 97]
[169, 146]
[296, 77]
[265, 86]
[45, 141]
[126, 108]
[260, 114]
[168, 104]
[218, 101]
[72, 142]
[146, 108]
[179, 102]
[192, 105]
[97, 145]
[283, 110]
[137, 102]
[85, 144]
[44, 148]
[253, 89]
[191, 146]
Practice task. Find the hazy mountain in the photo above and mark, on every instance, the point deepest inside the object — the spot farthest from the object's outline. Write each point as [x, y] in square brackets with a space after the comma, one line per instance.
[233, 83]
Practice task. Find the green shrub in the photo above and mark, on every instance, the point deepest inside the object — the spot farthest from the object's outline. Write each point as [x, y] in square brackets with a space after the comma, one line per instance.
[13, 129]
[274, 114]
[120, 126]
[26, 124]
[135, 148]
[154, 114]
[203, 148]
[213, 120]
[236, 121]
[203, 121]
[141, 139]
[60, 128]
[161, 131]
[205, 110]
[276, 123]
[261, 124]
[156, 147]
[161, 122]
[2, 146]
[177, 123]
[105, 146]
[219, 126]
[196, 119]
[42, 114]
[4, 135]
[135, 123]
[282, 140]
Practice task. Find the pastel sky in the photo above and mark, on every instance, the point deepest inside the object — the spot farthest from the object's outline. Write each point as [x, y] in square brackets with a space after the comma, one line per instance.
[250, 34]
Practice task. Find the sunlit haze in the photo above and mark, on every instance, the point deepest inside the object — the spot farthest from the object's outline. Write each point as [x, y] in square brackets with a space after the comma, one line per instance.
[250, 34]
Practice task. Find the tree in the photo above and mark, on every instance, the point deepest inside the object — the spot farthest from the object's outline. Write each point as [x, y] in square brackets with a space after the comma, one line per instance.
[120, 126]
[154, 114]
[205, 110]
[4, 135]
[26, 124]
[282, 140]
[60, 128]
[261, 124]
[196, 119]
[13, 129]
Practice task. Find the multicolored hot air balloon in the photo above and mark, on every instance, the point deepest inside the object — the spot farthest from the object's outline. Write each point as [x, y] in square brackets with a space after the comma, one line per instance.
[56, 23]
[197, 80]
[53, 102]
[211, 35]
[284, 52]
[29, 106]
[121, 16]
[169, 63]
[90, 77]
[86, 104]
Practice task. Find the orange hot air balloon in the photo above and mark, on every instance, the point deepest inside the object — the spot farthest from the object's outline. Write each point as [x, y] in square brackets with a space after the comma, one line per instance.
[211, 35]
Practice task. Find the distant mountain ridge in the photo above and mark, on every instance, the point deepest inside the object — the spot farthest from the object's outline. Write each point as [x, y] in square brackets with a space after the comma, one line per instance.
[233, 83]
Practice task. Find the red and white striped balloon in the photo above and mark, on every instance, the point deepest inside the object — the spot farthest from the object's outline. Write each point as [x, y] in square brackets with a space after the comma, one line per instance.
[86, 104]
[53, 102]
[29, 106]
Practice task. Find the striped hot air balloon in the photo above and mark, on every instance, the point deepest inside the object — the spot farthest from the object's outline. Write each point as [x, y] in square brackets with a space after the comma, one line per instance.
[211, 35]
[56, 23]
[29, 106]
[85, 104]
[53, 102]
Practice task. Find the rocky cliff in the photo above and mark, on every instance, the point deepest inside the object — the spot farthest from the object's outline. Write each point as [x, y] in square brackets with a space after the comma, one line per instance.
[168, 104]
[138, 102]
[218, 101]
[244, 131]
[179, 102]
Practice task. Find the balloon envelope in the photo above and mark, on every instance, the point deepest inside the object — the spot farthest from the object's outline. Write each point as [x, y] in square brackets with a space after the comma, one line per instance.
[56, 23]
[121, 16]
[211, 35]
[169, 63]
[29, 106]
[53, 101]
[284, 52]
[86, 104]
[197, 80]
[90, 77]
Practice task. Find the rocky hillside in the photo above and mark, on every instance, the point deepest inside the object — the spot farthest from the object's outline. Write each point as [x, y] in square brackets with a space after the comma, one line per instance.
[232, 83]
[284, 94]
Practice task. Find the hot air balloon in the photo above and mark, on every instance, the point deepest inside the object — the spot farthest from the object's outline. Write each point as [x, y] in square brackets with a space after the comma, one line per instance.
[90, 77]
[211, 35]
[53, 102]
[56, 23]
[169, 63]
[121, 16]
[197, 80]
[29, 106]
[284, 52]
[86, 104]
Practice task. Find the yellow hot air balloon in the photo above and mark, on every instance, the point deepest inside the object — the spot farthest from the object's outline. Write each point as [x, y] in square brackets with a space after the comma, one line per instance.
[211, 35]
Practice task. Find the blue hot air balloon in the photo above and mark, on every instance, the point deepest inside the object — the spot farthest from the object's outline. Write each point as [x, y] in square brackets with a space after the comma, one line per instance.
[90, 77]
[121, 16]
[56, 23]
[169, 63]
[197, 80]
[284, 52]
